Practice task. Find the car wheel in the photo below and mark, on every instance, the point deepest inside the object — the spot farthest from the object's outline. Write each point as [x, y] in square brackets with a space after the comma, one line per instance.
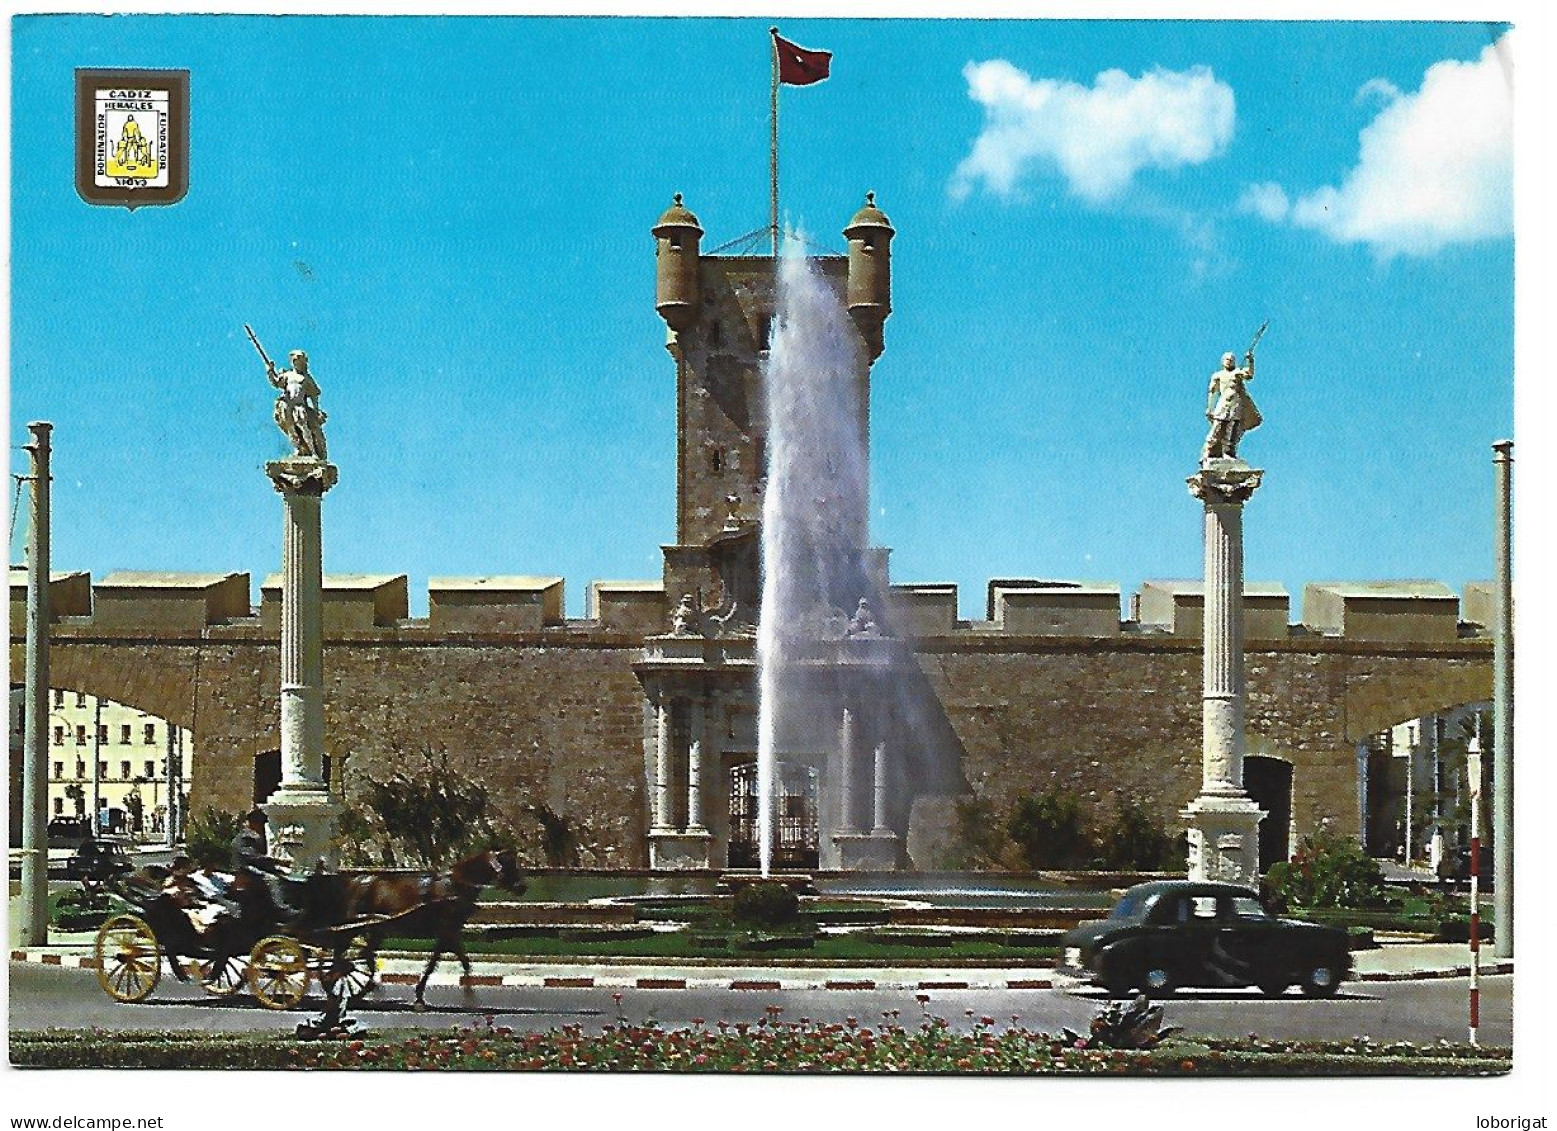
[1321, 981]
[1273, 987]
[1157, 982]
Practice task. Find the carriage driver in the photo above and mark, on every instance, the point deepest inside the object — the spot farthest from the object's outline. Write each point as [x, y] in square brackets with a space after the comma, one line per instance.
[248, 855]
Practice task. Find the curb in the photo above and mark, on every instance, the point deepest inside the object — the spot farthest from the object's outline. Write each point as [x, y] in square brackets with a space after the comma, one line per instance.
[821, 982]
[1428, 975]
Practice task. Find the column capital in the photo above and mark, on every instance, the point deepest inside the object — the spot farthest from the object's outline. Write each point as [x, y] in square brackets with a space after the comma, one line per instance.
[301, 476]
[1224, 481]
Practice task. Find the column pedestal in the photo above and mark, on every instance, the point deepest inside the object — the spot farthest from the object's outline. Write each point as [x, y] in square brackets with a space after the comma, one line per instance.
[680, 851]
[866, 852]
[302, 814]
[1224, 838]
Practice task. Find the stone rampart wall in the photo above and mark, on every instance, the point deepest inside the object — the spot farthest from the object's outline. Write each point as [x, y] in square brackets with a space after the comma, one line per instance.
[556, 714]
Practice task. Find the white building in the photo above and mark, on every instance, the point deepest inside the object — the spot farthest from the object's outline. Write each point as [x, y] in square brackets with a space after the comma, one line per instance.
[112, 759]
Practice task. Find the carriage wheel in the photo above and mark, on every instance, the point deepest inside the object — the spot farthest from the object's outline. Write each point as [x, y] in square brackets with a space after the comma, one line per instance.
[223, 977]
[355, 974]
[278, 972]
[129, 959]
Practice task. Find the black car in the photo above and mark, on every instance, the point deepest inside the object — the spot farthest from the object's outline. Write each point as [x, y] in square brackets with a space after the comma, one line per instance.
[98, 861]
[1173, 933]
[63, 832]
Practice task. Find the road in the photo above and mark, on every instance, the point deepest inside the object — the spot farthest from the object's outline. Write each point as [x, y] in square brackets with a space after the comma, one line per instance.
[49, 997]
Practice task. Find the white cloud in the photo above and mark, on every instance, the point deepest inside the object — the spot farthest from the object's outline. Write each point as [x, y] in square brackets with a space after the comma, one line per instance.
[1267, 200]
[1434, 168]
[1098, 137]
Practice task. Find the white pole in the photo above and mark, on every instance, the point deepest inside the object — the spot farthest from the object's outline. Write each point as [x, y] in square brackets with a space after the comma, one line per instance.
[1473, 771]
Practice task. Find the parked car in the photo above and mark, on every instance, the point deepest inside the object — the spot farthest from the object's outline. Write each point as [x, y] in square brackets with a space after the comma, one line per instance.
[66, 832]
[1459, 867]
[1171, 933]
[97, 861]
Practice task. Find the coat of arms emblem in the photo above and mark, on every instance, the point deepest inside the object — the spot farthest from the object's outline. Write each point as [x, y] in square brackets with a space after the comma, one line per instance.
[132, 136]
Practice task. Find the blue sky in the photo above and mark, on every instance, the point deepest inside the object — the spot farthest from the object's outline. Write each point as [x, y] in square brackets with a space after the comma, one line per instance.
[452, 217]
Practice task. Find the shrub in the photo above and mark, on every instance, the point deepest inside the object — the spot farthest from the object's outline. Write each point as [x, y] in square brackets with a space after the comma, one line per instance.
[766, 905]
[81, 910]
[208, 838]
[1048, 831]
[978, 841]
[428, 813]
[1137, 840]
[1328, 871]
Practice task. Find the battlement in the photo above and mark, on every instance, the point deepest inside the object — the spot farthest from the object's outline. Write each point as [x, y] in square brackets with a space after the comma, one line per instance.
[352, 601]
[1407, 612]
[1178, 608]
[146, 599]
[1390, 612]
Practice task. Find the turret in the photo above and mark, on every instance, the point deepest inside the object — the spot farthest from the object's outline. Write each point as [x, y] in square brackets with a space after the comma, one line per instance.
[676, 253]
[870, 272]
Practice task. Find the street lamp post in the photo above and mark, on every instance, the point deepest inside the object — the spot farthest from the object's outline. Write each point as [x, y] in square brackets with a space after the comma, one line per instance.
[31, 926]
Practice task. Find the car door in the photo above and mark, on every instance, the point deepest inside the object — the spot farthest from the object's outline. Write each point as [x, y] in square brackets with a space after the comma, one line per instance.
[1244, 941]
[1197, 932]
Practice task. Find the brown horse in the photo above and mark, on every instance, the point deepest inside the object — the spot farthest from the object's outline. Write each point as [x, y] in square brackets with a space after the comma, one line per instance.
[432, 906]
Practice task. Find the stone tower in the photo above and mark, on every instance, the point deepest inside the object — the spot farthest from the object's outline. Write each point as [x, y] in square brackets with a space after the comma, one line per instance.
[699, 677]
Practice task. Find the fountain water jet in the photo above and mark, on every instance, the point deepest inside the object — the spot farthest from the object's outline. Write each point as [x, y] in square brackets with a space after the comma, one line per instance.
[815, 509]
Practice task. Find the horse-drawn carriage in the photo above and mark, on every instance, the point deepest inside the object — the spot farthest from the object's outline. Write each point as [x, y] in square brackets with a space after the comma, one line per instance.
[238, 934]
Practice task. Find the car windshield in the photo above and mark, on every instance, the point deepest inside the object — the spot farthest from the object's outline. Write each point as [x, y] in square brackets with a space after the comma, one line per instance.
[1246, 908]
[1133, 903]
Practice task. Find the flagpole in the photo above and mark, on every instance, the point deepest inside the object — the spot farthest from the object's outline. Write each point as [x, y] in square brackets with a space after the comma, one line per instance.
[773, 216]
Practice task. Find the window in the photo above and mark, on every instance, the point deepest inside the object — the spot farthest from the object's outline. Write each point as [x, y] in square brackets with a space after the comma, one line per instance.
[81, 698]
[81, 734]
[151, 734]
[80, 768]
[59, 769]
[151, 769]
[59, 697]
[1246, 908]
[102, 769]
[124, 735]
[59, 736]
[59, 806]
[102, 733]
[124, 770]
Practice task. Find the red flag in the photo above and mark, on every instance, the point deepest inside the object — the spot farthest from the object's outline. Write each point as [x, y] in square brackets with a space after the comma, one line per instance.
[798, 66]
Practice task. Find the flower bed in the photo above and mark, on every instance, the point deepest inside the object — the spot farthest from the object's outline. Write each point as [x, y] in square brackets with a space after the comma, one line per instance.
[771, 1045]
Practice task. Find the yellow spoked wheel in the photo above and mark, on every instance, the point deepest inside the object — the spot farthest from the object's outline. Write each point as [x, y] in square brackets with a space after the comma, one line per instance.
[129, 960]
[223, 976]
[278, 972]
[354, 975]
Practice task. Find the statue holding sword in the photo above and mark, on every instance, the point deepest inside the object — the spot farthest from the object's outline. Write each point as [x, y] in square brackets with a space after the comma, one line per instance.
[1229, 407]
[297, 407]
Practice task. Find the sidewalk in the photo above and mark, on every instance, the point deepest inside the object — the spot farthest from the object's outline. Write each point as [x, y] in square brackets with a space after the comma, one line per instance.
[1388, 963]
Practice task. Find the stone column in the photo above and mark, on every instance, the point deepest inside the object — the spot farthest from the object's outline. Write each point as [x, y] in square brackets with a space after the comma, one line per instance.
[1224, 822]
[879, 793]
[302, 813]
[846, 735]
[662, 760]
[695, 729]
